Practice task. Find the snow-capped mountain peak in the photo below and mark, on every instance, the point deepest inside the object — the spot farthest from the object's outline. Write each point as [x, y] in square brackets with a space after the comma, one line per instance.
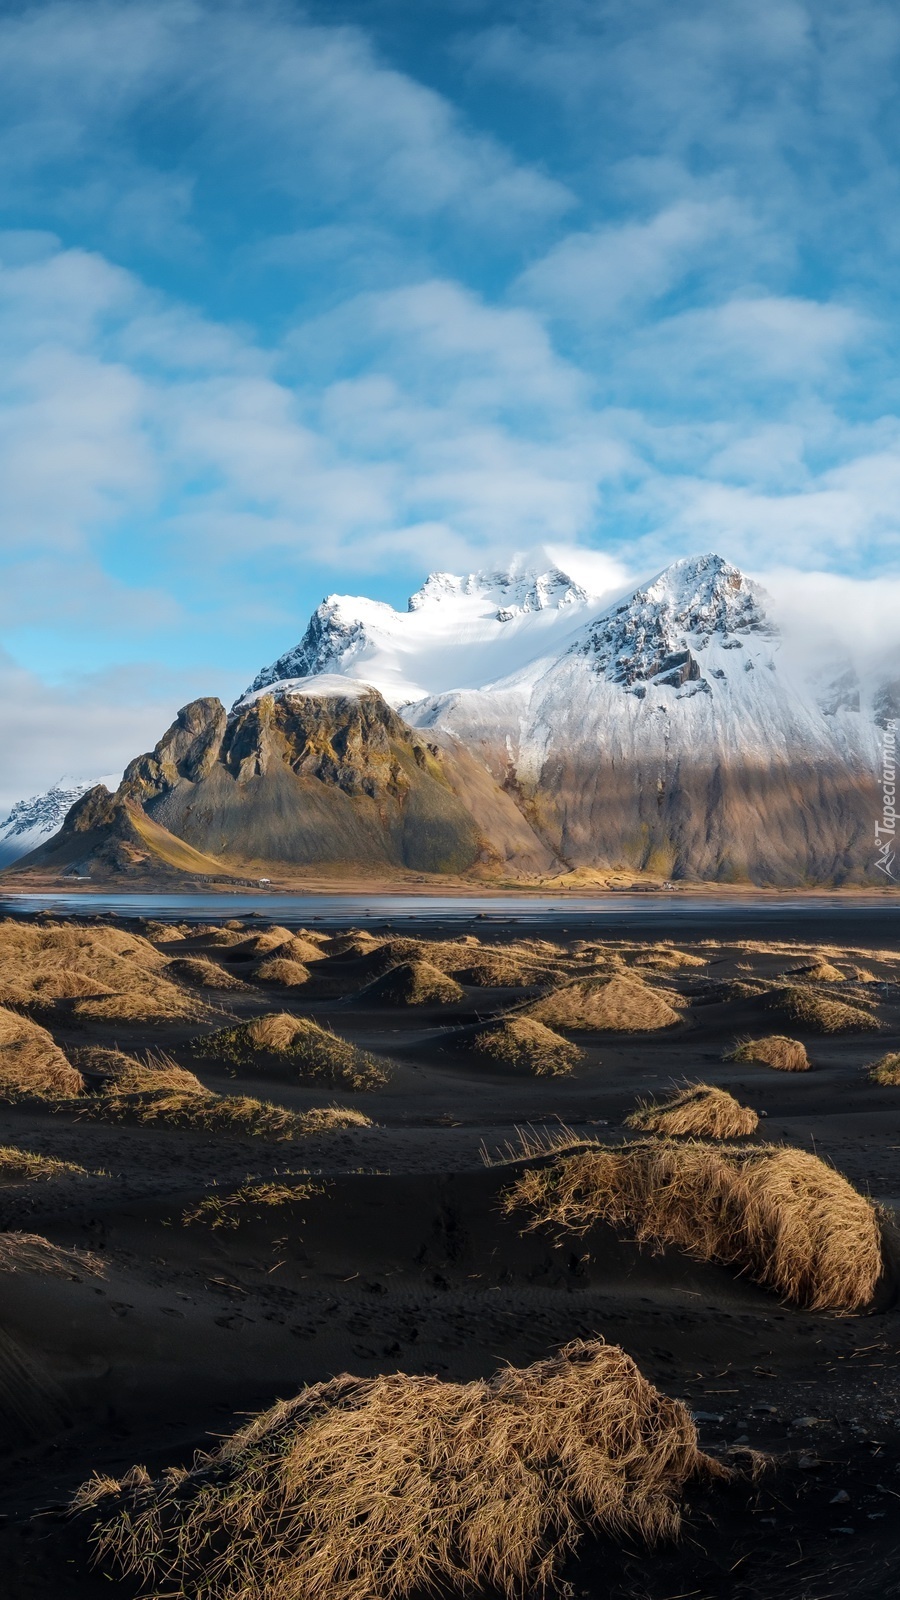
[660, 632]
[457, 631]
[513, 593]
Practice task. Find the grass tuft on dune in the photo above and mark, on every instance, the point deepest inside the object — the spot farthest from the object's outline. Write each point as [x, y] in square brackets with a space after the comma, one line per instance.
[282, 971]
[26, 1166]
[298, 1045]
[249, 1202]
[412, 983]
[886, 1071]
[527, 1046]
[782, 1216]
[775, 1050]
[201, 973]
[381, 1488]
[108, 973]
[622, 1004]
[819, 1014]
[31, 1063]
[158, 1091]
[700, 1111]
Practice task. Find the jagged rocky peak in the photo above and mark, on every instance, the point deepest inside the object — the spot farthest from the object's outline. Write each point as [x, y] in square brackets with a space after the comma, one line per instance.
[513, 592]
[661, 630]
[332, 637]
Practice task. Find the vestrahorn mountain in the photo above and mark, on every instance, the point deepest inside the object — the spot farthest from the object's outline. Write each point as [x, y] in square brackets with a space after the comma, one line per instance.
[509, 724]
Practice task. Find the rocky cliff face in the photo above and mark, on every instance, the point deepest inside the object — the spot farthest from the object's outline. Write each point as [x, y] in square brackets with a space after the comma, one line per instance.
[324, 775]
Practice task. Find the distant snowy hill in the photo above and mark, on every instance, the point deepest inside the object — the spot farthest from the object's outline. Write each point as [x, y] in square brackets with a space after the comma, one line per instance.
[31, 822]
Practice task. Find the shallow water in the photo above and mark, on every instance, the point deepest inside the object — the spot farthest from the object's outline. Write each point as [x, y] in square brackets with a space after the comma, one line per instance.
[831, 917]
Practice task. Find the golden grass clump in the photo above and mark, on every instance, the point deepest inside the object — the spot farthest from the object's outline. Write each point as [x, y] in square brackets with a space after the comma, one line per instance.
[119, 1073]
[379, 1488]
[356, 942]
[781, 1216]
[282, 972]
[785, 1055]
[31, 1252]
[202, 973]
[259, 944]
[25, 1166]
[666, 959]
[311, 1053]
[31, 1063]
[821, 972]
[160, 932]
[158, 1091]
[819, 1014]
[527, 1046]
[700, 1111]
[886, 1071]
[623, 1003]
[494, 968]
[863, 975]
[299, 948]
[249, 1202]
[412, 983]
[111, 975]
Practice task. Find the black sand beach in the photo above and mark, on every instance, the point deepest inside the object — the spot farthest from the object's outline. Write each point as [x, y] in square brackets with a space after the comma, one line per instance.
[148, 1335]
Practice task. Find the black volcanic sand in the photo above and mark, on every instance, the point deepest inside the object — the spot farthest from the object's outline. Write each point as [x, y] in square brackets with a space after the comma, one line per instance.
[401, 1260]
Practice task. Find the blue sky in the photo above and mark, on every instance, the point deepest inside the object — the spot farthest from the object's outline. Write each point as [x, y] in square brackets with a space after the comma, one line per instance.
[304, 298]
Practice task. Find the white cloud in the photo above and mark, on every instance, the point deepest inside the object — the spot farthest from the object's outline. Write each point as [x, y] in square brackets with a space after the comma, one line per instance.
[82, 727]
[593, 277]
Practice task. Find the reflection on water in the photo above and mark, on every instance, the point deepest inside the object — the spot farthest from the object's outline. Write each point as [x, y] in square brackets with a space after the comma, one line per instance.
[828, 915]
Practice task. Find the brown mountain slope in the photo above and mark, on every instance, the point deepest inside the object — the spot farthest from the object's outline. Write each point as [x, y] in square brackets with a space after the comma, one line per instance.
[302, 781]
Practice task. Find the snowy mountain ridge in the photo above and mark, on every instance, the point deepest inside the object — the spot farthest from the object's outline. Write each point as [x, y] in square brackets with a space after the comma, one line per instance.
[456, 632]
[32, 821]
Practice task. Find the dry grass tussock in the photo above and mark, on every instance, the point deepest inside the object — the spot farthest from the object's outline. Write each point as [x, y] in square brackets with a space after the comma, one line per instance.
[25, 1166]
[282, 972]
[202, 973]
[665, 959]
[785, 1055]
[160, 932]
[819, 1014]
[299, 948]
[377, 1488]
[312, 1053]
[31, 1252]
[356, 942]
[259, 944]
[821, 972]
[623, 1003]
[526, 1046]
[499, 967]
[782, 1216]
[250, 1202]
[31, 1063]
[886, 1071]
[156, 1090]
[107, 972]
[698, 1110]
[412, 983]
